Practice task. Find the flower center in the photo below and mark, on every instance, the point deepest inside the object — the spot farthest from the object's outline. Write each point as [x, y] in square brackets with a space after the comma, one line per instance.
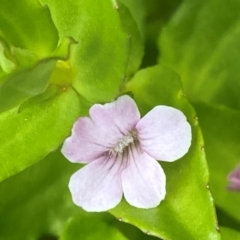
[124, 142]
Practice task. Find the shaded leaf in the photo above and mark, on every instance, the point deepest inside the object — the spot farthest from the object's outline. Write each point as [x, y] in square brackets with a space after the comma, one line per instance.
[41, 199]
[37, 197]
[228, 233]
[81, 227]
[135, 41]
[138, 11]
[50, 92]
[158, 14]
[22, 85]
[226, 220]
[201, 43]
[221, 131]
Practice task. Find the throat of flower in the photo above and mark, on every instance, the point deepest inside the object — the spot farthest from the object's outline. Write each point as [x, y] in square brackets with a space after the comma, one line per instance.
[124, 142]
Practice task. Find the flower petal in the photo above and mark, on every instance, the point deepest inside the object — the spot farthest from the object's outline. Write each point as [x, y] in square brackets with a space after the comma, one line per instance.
[92, 138]
[234, 180]
[143, 180]
[164, 133]
[97, 186]
[122, 115]
[88, 141]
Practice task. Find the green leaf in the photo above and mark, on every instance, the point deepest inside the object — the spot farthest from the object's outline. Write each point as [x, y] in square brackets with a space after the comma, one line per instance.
[101, 57]
[158, 14]
[23, 57]
[179, 215]
[22, 85]
[37, 202]
[63, 49]
[138, 11]
[221, 132]
[15, 58]
[28, 25]
[81, 227]
[39, 197]
[135, 42]
[228, 234]
[50, 92]
[30, 135]
[5, 63]
[227, 220]
[201, 43]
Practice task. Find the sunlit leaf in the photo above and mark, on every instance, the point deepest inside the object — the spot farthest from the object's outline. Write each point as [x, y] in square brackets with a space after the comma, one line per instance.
[28, 136]
[5, 64]
[179, 215]
[28, 25]
[101, 57]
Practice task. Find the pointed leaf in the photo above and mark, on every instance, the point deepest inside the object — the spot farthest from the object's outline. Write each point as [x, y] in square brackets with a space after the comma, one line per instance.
[5, 64]
[30, 135]
[135, 41]
[28, 25]
[50, 92]
[178, 216]
[221, 132]
[22, 85]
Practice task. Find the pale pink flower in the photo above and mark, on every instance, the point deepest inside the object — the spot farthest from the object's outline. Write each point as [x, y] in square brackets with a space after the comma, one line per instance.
[120, 149]
[234, 179]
